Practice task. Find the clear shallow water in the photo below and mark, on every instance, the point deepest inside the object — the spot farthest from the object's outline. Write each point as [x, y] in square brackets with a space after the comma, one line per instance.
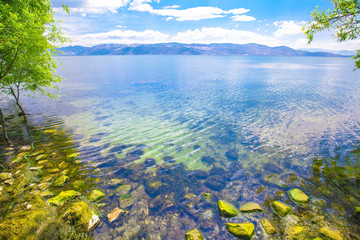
[250, 117]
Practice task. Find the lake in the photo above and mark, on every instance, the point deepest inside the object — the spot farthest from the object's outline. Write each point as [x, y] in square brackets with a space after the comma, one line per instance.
[245, 129]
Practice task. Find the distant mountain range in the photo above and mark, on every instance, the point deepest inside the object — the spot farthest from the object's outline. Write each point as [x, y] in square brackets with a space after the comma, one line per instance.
[191, 49]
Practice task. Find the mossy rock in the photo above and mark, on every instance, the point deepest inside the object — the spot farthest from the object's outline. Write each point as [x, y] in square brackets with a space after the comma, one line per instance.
[357, 213]
[295, 232]
[250, 207]
[268, 227]
[281, 208]
[96, 195]
[115, 214]
[82, 216]
[207, 196]
[241, 230]
[126, 200]
[193, 235]
[60, 181]
[153, 188]
[298, 196]
[226, 209]
[330, 234]
[46, 193]
[123, 189]
[63, 197]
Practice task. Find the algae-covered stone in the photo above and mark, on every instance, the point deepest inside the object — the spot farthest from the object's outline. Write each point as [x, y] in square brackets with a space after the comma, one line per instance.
[153, 188]
[331, 234]
[357, 213]
[241, 230]
[207, 196]
[281, 208]
[46, 193]
[60, 181]
[295, 232]
[298, 196]
[96, 195]
[5, 176]
[63, 197]
[250, 207]
[268, 227]
[123, 189]
[193, 235]
[227, 209]
[126, 200]
[41, 157]
[115, 214]
[82, 216]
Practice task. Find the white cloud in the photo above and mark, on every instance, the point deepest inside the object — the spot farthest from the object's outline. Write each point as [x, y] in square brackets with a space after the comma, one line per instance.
[222, 35]
[99, 6]
[288, 28]
[121, 37]
[238, 11]
[243, 18]
[173, 6]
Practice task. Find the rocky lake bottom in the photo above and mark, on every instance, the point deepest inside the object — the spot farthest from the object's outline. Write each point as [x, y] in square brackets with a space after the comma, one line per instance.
[49, 191]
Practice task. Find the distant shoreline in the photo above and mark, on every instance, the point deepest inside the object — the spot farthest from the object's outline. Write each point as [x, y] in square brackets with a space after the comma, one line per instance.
[214, 49]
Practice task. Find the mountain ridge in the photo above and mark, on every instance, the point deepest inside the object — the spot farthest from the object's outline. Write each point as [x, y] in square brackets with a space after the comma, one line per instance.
[249, 49]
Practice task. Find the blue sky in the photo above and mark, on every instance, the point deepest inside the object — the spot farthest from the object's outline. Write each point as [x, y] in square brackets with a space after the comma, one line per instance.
[273, 23]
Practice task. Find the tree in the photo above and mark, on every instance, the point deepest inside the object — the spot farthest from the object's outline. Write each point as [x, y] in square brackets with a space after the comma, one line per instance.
[28, 38]
[344, 19]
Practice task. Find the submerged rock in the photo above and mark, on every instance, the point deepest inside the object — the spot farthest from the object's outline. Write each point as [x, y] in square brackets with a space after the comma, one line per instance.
[115, 214]
[153, 188]
[123, 189]
[250, 207]
[227, 209]
[60, 181]
[63, 197]
[281, 208]
[298, 196]
[207, 196]
[357, 213]
[193, 235]
[208, 160]
[331, 234]
[216, 183]
[126, 200]
[295, 232]
[96, 195]
[81, 216]
[232, 154]
[268, 227]
[241, 230]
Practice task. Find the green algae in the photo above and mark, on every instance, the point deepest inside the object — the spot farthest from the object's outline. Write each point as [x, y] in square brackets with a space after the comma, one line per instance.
[96, 195]
[63, 197]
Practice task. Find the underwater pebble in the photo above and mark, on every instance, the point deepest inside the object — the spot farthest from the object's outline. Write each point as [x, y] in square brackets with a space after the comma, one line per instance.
[281, 208]
[250, 207]
[329, 233]
[298, 196]
[268, 227]
[115, 214]
[193, 235]
[241, 230]
[226, 209]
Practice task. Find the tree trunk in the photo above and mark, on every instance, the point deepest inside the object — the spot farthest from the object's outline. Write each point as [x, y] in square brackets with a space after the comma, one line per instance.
[4, 128]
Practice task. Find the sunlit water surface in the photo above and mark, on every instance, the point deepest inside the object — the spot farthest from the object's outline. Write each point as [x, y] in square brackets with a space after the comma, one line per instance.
[235, 120]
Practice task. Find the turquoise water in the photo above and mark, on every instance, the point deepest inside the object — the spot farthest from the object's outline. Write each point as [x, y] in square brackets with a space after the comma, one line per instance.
[219, 124]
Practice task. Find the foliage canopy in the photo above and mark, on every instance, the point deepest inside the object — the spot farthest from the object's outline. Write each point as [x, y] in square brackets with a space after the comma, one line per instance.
[344, 19]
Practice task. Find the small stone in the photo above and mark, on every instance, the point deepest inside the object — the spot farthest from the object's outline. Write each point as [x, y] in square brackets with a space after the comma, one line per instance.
[281, 208]
[250, 207]
[193, 235]
[227, 209]
[357, 213]
[153, 188]
[207, 196]
[5, 176]
[73, 155]
[24, 148]
[94, 221]
[123, 189]
[294, 232]
[41, 157]
[126, 200]
[96, 195]
[115, 181]
[329, 233]
[46, 193]
[42, 162]
[268, 227]
[317, 219]
[36, 168]
[298, 196]
[63, 197]
[208, 214]
[190, 196]
[241, 230]
[115, 214]
[60, 181]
